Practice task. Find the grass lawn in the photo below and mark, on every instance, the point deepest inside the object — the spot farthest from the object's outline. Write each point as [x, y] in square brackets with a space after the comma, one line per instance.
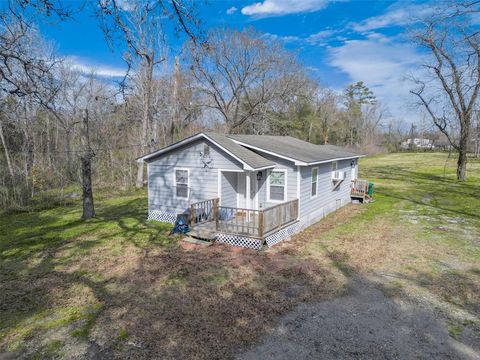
[120, 286]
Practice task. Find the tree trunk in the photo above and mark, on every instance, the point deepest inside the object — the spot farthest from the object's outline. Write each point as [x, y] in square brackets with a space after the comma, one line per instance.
[146, 116]
[140, 174]
[463, 149]
[462, 165]
[86, 160]
[88, 207]
[68, 151]
[7, 155]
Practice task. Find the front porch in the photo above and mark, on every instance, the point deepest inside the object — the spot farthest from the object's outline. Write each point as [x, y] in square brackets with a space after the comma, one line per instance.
[240, 226]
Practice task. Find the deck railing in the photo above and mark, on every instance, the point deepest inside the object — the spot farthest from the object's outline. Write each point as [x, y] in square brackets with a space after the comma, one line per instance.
[247, 222]
[276, 216]
[203, 211]
[239, 221]
[359, 188]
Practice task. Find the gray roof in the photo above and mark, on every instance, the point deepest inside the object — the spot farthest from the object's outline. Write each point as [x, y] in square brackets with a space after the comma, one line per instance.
[249, 157]
[293, 148]
[284, 146]
[246, 156]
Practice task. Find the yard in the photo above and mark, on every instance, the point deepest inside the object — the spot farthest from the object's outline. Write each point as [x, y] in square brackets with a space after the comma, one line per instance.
[119, 286]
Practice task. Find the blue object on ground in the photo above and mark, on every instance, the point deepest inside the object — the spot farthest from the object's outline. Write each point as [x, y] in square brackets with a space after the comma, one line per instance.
[181, 225]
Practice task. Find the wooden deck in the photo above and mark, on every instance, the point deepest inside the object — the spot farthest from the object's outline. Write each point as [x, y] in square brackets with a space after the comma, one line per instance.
[207, 218]
[360, 190]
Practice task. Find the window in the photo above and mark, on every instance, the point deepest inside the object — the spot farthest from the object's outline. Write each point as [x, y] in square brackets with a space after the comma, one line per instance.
[181, 183]
[314, 181]
[276, 182]
[334, 166]
[206, 150]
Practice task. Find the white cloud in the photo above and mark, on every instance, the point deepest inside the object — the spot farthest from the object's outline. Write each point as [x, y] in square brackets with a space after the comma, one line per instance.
[267, 8]
[384, 65]
[285, 39]
[86, 67]
[290, 38]
[231, 10]
[320, 37]
[399, 14]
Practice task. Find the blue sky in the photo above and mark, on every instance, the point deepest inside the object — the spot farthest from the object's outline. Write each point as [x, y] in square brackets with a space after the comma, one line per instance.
[339, 41]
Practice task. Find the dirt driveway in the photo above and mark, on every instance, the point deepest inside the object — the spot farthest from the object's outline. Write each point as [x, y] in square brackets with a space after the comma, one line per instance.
[364, 324]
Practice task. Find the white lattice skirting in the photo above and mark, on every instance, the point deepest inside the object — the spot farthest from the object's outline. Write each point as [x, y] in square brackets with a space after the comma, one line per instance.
[162, 216]
[241, 241]
[282, 234]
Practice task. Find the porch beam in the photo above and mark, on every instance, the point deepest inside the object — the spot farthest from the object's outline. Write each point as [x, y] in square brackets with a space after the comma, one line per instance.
[247, 189]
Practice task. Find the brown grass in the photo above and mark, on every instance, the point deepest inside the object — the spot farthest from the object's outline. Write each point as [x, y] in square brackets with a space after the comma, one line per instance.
[177, 302]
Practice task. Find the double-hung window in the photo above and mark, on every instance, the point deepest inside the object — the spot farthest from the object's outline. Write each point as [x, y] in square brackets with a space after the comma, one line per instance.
[181, 183]
[277, 181]
[314, 181]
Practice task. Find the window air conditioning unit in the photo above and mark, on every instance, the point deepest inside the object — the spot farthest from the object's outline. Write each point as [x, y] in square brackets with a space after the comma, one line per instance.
[338, 175]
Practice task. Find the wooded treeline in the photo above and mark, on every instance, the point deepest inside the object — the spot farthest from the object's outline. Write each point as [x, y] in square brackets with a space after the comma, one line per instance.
[55, 119]
[61, 127]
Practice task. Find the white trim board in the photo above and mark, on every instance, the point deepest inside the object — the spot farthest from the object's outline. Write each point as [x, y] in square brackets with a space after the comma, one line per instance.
[299, 181]
[175, 183]
[311, 182]
[193, 138]
[285, 186]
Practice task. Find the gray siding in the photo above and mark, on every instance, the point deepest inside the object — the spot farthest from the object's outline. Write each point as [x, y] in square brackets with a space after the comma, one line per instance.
[281, 164]
[228, 196]
[327, 200]
[203, 180]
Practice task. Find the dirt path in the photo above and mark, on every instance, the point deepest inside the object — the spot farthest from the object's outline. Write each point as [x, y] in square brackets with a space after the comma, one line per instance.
[363, 324]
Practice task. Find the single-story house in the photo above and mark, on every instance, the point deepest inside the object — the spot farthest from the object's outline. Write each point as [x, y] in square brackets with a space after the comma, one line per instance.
[248, 190]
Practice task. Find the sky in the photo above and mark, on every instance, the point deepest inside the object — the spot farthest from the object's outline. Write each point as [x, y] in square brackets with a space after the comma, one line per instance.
[340, 42]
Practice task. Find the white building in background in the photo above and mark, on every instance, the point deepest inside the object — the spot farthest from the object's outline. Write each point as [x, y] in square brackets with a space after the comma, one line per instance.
[418, 143]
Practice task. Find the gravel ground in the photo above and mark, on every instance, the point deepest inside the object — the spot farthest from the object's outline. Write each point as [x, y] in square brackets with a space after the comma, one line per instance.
[364, 324]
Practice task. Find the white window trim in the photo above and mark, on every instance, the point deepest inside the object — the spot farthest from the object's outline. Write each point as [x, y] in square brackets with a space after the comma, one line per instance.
[316, 182]
[175, 184]
[285, 197]
[336, 165]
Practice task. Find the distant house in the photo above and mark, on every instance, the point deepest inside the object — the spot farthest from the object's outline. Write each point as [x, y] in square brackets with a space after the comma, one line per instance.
[418, 143]
[248, 190]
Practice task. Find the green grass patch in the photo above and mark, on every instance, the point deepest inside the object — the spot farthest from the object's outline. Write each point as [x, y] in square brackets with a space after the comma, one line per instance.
[455, 330]
[47, 242]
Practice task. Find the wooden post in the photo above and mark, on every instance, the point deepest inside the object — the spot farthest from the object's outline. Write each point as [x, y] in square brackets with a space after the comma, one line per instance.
[192, 215]
[260, 224]
[216, 212]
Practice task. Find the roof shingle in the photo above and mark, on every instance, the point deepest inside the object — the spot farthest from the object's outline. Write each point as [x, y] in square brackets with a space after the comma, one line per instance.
[251, 158]
[293, 148]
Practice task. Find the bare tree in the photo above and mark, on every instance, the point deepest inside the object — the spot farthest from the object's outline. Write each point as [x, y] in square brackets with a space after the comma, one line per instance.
[139, 26]
[450, 95]
[328, 113]
[241, 75]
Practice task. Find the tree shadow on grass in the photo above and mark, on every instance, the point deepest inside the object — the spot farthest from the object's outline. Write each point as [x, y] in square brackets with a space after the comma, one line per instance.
[172, 302]
[210, 303]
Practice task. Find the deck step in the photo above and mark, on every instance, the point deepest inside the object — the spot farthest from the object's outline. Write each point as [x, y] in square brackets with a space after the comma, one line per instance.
[202, 234]
[192, 240]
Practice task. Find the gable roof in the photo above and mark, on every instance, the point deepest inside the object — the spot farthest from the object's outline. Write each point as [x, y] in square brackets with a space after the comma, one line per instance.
[254, 160]
[249, 159]
[290, 148]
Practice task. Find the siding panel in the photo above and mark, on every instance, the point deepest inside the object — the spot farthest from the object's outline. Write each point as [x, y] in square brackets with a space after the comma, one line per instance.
[327, 200]
[229, 189]
[281, 164]
[203, 180]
